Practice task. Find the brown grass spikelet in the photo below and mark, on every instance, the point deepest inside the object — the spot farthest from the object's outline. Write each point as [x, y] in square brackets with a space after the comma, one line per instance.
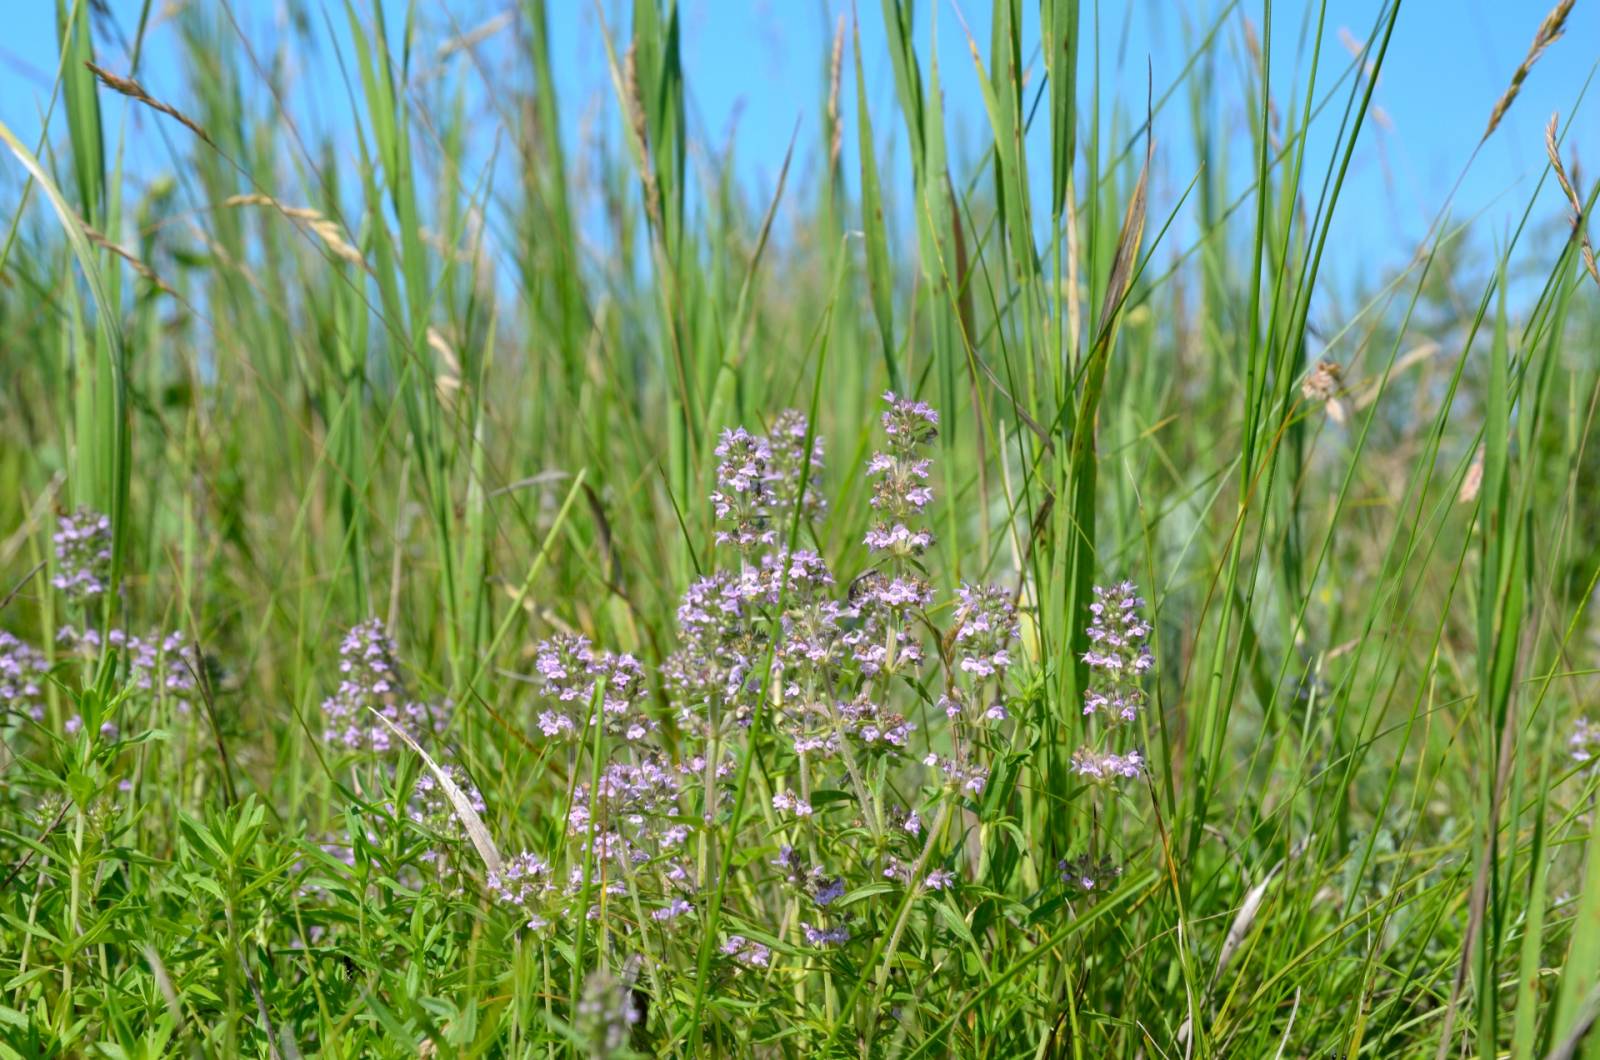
[835, 67]
[1549, 32]
[127, 86]
[1573, 199]
[99, 239]
[641, 132]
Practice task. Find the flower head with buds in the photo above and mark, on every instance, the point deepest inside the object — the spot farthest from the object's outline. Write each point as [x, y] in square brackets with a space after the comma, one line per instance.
[900, 489]
[83, 554]
[986, 624]
[369, 680]
[22, 675]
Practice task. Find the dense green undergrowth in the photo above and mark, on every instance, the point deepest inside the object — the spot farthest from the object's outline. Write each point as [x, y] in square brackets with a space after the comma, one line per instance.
[544, 603]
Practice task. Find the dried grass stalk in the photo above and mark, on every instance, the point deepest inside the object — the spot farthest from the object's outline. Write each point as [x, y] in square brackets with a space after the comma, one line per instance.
[100, 239]
[127, 86]
[482, 841]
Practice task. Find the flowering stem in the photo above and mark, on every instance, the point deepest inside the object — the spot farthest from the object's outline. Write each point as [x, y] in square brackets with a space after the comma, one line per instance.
[902, 916]
[599, 728]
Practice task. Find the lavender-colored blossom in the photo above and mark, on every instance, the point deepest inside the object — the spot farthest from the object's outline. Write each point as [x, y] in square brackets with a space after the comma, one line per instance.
[792, 577]
[623, 816]
[166, 664]
[1087, 874]
[986, 624]
[721, 644]
[743, 498]
[526, 882]
[882, 642]
[431, 806]
[900, 489]
[812, 644]
[571, 670]
[1102, 766]
[1584, 743]
[787, 463]
[22, 674]
[370, 681]
[83, 554]
[762, 481]
[876, 727]
[939, 880]
[1118, 655]
[747, 952]
[1118, 659]
[788, 802]
[108, 729]
[828, 891]
[825, 937]
[607, 1012]
[675, 908]
[808, 880]
[958, 775]
[908, 423]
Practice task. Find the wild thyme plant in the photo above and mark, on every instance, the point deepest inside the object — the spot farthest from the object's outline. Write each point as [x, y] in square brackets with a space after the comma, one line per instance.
[866, 813]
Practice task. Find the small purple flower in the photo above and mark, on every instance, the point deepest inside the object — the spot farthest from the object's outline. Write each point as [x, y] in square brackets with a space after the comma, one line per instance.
[747, 952]
[83, 554]
[939, 880]
[900, 489]
[1105, 767]
[825, 937]
[674, 909]
[986, 624]
[829, 891]
[788, 461]
[370, 681]
[743, 498]
[571, 670]
[958, 775]
[108, 729]
[788, 802]
[22, 674]
[525, 881]
[1087, 874]
[909, 423]
[1584, 743]
[1118, 655]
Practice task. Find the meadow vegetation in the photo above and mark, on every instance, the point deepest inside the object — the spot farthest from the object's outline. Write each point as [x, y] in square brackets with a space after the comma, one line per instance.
[539, 600]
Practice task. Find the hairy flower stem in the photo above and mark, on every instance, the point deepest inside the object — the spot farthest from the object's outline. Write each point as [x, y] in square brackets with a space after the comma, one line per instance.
[913, 888]
[868, 811]
[708, 801]
[598, 754]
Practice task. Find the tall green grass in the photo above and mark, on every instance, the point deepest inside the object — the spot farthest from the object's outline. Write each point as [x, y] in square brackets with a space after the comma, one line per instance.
[313, 382]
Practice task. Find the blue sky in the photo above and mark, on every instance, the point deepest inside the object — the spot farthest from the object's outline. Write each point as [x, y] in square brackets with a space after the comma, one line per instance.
[755, 69]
